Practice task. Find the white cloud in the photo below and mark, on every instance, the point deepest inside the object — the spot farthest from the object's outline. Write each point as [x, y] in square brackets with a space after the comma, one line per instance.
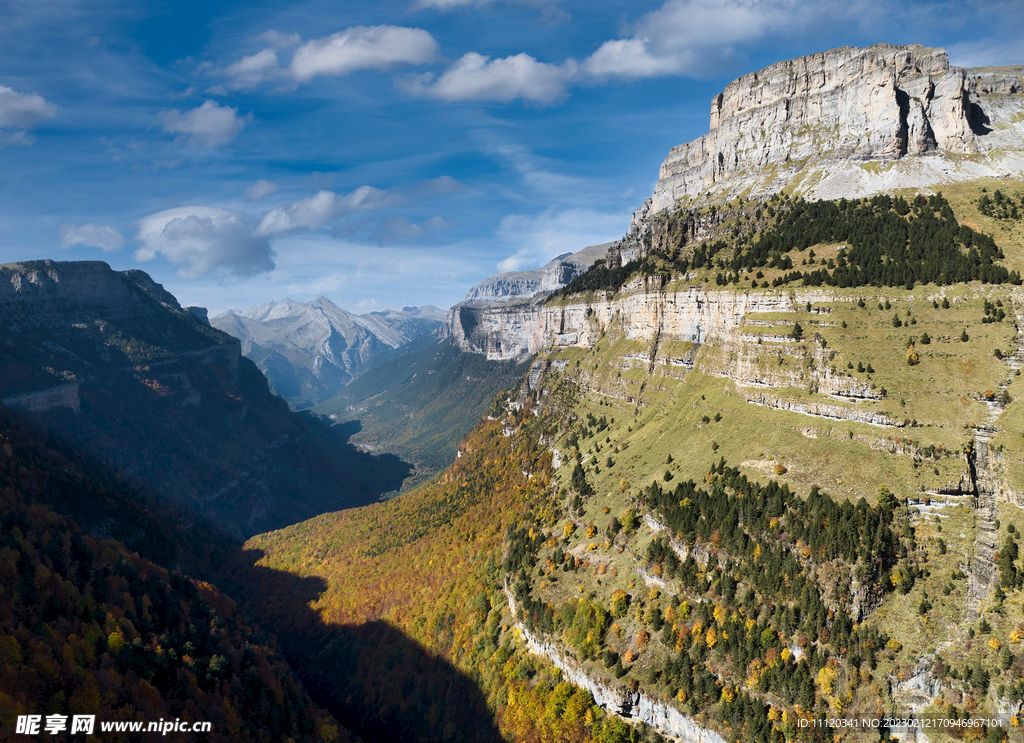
[209, 125]
[250, 71]
[699, 37]
[277, 40]
[259, 189]
[630, 58]
[204, 240]
[476, 77]
[362, 48]
[91, 235]
[553, 232]
[323, 208]
[23, 110]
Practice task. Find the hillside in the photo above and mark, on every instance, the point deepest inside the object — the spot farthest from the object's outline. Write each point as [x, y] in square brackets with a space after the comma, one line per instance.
[785, 459]
[421, 405]
[89, 626]
[112, 365]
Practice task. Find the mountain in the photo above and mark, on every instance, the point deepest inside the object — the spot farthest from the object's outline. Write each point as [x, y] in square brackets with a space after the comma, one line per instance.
[310, 350]
[851, 122]
[765, 466]
[113, 366]
[91, 627]
[763, 469]
[421, 405]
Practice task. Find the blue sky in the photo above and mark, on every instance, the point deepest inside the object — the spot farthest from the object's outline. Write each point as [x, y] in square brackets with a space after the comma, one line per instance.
[387, 153]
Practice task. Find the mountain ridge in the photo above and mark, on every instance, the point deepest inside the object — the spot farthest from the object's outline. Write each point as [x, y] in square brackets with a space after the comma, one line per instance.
[311, 350]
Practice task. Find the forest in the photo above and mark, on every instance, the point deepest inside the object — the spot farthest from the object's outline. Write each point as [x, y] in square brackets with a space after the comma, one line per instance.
[887, 241]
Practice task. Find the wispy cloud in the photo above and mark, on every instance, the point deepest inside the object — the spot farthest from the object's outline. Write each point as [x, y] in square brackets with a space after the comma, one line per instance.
[259, 189]
[539, 238]
[208, 125]
[325, 207]
[91, 235]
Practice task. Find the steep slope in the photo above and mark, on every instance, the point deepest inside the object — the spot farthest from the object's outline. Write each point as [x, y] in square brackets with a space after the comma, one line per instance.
[87, 626]
[310, 350]
[110, 363]
[777, 496]
[420, 406]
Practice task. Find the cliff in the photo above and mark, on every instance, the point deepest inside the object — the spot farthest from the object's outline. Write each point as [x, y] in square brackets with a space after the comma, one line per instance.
[813, 123]
[110, 363]
[549, 277]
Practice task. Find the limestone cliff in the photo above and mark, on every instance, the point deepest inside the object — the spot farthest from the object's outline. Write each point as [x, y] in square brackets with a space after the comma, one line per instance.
[814, 121]
[549, 277]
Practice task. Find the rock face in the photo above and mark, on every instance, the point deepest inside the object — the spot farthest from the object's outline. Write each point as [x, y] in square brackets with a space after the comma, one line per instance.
[310, 350]
[834, 110]
[522, 284]
[630, 705]
[109, 362]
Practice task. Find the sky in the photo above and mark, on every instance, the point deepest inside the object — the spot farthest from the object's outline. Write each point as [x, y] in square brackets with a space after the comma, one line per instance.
[389, 153]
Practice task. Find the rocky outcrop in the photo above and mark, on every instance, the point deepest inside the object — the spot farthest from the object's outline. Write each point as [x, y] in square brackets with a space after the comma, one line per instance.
[47, 287]
[548, 278]
[842, 107]
[634, 706]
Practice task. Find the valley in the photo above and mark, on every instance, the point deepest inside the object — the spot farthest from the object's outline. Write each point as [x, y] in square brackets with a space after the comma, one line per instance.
[755, 466]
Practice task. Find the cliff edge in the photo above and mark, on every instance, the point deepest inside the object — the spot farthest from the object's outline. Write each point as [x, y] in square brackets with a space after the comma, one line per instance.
[851, 122]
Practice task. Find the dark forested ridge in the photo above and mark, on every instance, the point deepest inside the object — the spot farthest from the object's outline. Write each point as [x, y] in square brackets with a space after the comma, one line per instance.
[89, 627]
[132, 380]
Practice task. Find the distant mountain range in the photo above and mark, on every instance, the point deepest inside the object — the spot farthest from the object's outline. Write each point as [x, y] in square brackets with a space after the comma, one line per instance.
[310, 350]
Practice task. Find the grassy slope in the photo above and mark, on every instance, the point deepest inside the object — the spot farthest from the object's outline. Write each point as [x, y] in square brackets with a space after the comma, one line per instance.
[848, 459]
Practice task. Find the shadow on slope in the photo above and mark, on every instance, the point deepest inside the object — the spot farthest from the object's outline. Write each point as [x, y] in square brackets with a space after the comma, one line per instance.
[421, 405]
[375, 680]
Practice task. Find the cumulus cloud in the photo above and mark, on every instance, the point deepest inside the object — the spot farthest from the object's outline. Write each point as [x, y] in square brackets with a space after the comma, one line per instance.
[631, 58]
[698, 37]
[204, 240]
[323, 208]
[23, 110]
[476, 77]
[208, 126]
[259, 189]
[362, 48]
[20, 111]
[91, 235]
